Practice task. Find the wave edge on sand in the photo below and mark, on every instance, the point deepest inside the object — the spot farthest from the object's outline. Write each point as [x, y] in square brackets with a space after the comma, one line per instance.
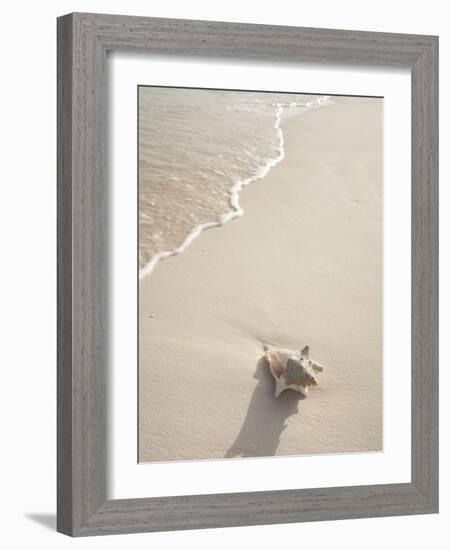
[236, 188]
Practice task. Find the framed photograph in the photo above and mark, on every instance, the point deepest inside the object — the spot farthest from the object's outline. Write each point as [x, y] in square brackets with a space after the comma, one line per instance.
[247, 274]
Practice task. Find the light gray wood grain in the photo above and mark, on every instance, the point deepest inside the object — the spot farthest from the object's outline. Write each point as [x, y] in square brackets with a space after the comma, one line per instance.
[64, 330]
[83, 40]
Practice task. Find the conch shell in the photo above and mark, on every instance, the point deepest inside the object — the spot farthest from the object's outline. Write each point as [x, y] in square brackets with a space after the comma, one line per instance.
[293, 370]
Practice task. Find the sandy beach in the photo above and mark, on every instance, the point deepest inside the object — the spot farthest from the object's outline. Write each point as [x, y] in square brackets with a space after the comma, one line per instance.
[303, 265]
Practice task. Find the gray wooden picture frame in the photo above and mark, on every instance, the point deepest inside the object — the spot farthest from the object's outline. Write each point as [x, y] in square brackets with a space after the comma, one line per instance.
[83, 41]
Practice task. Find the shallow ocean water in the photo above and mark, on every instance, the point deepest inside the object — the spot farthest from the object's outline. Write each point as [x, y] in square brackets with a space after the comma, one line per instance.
[197, 148]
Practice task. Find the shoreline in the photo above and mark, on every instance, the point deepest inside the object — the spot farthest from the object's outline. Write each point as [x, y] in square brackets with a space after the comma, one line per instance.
[234, 192]
[303, 266]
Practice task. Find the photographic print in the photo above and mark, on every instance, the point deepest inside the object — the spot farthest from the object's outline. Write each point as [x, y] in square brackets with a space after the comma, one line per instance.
[260, 302]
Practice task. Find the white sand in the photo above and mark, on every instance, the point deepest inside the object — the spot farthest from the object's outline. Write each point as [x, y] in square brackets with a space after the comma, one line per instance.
[302, 266]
